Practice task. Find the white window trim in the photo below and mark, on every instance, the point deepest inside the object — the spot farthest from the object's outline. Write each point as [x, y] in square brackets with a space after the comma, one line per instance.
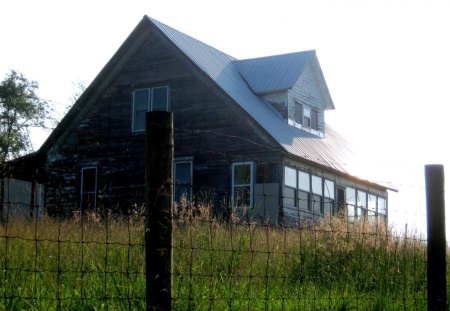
[233, 185]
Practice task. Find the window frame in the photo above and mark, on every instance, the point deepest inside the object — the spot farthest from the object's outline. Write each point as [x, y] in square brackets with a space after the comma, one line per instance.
[250, 185]
[175, 184]
[150, 100]
[83, 192]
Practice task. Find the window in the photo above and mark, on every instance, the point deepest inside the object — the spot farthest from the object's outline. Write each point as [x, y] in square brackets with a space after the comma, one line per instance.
[306, 116]
[242, 184]
[328, 194]
[382, 206]
[361, 209]
[290, 186]
[304, 189]
[88, 189]
[149, 99]
[182, 182]
[290, 177]
[317, 191]
[350, 200]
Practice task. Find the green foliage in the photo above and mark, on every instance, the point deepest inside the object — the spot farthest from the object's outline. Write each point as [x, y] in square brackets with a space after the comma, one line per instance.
[20, 109]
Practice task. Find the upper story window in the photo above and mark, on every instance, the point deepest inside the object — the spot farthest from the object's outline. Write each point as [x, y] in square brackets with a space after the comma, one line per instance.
[148, 99]
[306, 116]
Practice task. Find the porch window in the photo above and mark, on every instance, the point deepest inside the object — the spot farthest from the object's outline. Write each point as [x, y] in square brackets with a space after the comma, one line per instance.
[371, 206]
[182, 181]
[242, 184]
[290, 186]
[328, 197]
[148, 99]
[317, 191]
[350, 200]
[304, 188]
[88, 189]
[361, 208]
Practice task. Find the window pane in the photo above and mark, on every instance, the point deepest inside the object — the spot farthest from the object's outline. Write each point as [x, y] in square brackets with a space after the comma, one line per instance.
[290, 177]
[303, 200]
[316, 184]
[362, 199]
[328, 191]
[306, 116]
[350, 195]
[141, 99]
[316, 204]
[288, 197]
[303, 181]
[183, 172]
[140, 107]
[328, 206]
[298, 113]
[372, 203]
[307, 111]
[381, 206]
[242, 174]
[160, 98]
[89, 179]
[241, 196]
[183, 181]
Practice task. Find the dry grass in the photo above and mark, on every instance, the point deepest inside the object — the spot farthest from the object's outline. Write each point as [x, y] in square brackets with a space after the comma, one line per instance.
[98, 263]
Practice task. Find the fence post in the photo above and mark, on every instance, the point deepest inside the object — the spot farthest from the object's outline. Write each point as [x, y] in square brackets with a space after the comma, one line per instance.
[158, 210]
[436, 246]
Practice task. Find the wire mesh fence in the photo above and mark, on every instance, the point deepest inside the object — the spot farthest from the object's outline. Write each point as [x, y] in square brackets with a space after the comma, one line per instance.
[93, 263]
[275, 236]
[79, 263]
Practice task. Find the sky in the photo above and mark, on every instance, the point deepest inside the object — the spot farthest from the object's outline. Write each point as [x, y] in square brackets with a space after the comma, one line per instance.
[386, 64]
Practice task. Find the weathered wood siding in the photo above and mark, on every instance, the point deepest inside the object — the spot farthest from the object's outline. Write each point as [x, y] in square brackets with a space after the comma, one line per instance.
[209, 127]
[306, 91]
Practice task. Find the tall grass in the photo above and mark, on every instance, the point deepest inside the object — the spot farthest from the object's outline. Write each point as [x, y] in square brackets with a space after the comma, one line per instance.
[72, 264]
[98, 264]
[328, 265]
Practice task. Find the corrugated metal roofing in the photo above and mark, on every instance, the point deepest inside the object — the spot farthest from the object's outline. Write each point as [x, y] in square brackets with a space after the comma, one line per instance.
[273, 73]
[332, 151]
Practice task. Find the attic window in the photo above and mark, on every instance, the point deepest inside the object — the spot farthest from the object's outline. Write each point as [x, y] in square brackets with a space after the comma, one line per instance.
[306, 116]
[149, 99]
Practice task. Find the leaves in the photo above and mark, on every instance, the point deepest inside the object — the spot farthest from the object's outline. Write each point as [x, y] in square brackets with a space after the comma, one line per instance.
[20, 109]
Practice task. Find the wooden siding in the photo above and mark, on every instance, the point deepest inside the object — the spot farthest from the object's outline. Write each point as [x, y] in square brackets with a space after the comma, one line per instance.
[209, 127]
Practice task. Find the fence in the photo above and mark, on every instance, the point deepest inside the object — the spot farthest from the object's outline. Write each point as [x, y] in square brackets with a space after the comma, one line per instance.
[210, 260]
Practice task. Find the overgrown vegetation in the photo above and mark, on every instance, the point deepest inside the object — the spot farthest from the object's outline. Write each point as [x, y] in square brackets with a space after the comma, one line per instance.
[98, 264]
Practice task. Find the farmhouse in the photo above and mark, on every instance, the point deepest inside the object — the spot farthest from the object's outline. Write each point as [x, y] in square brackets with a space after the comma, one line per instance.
[249, 134]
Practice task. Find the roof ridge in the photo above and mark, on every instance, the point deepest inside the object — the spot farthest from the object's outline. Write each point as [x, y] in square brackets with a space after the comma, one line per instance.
[161, 25]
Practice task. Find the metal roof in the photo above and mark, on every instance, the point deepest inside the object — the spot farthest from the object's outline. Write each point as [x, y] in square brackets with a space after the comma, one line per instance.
[332, 151]
[273, 73]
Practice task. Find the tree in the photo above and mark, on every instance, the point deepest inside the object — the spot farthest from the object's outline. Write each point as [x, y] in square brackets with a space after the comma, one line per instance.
[20, 109]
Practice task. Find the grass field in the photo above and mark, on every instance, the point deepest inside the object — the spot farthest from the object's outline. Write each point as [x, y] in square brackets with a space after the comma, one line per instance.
[99, 265]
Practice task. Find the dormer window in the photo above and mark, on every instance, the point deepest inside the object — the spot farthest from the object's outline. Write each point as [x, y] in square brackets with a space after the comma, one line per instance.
[306, 116]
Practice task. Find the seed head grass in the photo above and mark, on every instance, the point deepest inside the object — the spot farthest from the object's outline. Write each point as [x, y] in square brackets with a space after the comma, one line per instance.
[98, 263]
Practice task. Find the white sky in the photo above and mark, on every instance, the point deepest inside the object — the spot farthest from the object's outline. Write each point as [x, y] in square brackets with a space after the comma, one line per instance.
[386, 63]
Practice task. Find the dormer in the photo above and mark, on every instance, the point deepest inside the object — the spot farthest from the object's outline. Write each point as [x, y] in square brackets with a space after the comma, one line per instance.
[293, 84]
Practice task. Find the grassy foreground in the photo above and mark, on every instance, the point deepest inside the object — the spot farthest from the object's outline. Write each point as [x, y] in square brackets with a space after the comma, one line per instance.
[99, 265]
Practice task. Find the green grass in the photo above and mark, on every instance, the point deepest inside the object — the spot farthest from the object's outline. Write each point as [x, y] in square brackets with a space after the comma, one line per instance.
[99, 265]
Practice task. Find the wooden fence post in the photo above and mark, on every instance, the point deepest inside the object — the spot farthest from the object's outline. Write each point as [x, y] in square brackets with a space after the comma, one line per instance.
[158, 210]
[437, 245]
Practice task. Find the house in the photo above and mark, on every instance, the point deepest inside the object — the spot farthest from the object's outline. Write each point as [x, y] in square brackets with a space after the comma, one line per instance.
[249, 134]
